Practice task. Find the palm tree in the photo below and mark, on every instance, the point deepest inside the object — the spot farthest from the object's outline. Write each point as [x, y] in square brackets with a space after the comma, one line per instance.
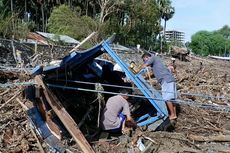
[166, 12]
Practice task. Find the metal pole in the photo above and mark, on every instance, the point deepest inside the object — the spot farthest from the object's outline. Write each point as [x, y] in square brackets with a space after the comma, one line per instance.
[177, 101]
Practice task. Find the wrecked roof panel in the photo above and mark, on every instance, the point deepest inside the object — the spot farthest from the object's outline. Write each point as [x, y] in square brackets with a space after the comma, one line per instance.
[72, 61]
[56, 37]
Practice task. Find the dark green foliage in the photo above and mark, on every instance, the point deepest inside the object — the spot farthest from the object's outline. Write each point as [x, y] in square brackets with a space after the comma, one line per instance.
[134, 21]
[211, 43]
[12, 26]
[64, 21]
[137, 23]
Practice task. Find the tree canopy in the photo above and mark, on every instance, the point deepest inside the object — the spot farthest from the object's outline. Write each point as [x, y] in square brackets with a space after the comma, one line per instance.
[65, 21]
[134, 21]
[211, 43]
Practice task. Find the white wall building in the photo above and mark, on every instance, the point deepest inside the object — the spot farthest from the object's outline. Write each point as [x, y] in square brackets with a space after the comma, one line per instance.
[175, 36]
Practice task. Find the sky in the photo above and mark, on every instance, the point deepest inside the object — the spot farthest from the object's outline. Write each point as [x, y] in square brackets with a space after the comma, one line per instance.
[192, 16]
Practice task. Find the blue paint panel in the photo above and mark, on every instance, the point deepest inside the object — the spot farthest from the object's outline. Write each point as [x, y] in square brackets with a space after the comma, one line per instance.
[39, 123]
[149, 121]
[51, 67]
[37, 70]
[55, 144]
[77, 58]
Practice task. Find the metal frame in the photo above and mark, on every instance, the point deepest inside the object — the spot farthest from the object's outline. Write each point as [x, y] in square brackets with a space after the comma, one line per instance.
[77, 59]
[144, 87]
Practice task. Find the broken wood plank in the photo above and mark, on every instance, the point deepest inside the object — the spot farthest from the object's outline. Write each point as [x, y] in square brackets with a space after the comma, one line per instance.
[83, 41]
[46, 115]
[64, 116]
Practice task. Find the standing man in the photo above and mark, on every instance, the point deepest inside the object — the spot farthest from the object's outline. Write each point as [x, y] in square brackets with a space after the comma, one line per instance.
[167, 81]
[116, 113]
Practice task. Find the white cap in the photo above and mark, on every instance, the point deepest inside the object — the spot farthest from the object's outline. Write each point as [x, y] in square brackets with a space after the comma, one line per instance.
[173, 59]
[116, 67]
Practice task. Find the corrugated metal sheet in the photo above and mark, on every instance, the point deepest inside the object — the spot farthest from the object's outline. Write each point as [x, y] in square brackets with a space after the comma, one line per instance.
[34, 37]
[55, 37]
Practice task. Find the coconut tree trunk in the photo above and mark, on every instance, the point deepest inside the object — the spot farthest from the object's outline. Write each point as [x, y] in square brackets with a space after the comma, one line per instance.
[164, 29]
[87, 7]
[12, 11]
[43, 18]
[164, 40]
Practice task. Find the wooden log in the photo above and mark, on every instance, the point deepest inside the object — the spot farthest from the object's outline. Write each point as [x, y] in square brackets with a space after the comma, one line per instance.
[65, 118]
[215, 138]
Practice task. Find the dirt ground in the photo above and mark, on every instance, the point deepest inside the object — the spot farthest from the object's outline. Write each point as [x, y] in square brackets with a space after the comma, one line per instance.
[196, 130]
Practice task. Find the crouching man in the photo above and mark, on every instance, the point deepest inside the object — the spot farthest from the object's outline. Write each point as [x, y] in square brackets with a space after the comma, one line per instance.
[116, 113]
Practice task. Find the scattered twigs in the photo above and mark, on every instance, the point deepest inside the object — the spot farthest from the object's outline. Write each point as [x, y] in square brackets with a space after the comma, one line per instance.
[39, 144]
[199, 128]
[68, 151]
[218, 130]
[25, 108]
[3, 93]
[104, 140]
[12, 98]
[5, 125]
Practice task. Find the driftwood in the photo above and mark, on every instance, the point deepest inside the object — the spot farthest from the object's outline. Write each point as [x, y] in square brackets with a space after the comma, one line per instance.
[224, 131]
[215, 138]
[148, 138]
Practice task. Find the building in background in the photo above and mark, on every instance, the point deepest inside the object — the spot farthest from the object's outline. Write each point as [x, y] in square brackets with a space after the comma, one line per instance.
[174, 36]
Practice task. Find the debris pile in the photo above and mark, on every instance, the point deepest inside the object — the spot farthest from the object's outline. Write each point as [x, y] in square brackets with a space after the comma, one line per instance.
[15, 133]
[204, 129]
[179, 53]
